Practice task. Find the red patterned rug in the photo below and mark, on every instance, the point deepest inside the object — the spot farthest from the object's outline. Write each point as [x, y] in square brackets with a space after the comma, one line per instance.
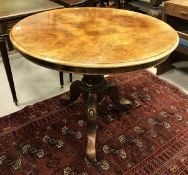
[152, 139]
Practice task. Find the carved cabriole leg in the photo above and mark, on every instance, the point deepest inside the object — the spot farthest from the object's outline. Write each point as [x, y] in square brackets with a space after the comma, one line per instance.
[113, 92]
[91, 126]
[75, 91]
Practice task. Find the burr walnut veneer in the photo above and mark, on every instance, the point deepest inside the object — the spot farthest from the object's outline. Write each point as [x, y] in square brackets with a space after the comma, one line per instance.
[94, 42]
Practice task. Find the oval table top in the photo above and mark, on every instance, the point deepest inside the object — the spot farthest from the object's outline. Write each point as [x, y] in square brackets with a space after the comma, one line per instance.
[94, 40]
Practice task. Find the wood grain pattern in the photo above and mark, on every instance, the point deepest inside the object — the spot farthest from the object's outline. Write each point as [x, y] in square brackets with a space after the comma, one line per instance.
[178, 2]
[179, 11]
[94, 38]
[15, 8]
[176, 8]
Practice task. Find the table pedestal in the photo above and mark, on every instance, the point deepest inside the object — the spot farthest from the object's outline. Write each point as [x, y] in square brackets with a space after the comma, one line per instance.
[94, 88]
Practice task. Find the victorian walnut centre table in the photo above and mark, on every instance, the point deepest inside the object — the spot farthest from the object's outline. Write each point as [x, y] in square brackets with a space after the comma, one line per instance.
[94, 42]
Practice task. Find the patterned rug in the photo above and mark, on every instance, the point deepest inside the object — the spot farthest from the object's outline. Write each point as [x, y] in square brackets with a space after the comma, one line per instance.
[152, 139]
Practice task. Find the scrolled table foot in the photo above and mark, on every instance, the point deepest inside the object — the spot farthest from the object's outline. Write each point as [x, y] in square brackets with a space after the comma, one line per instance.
[92, 126]
[75, 91]
[123, 105]
[118, 104]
